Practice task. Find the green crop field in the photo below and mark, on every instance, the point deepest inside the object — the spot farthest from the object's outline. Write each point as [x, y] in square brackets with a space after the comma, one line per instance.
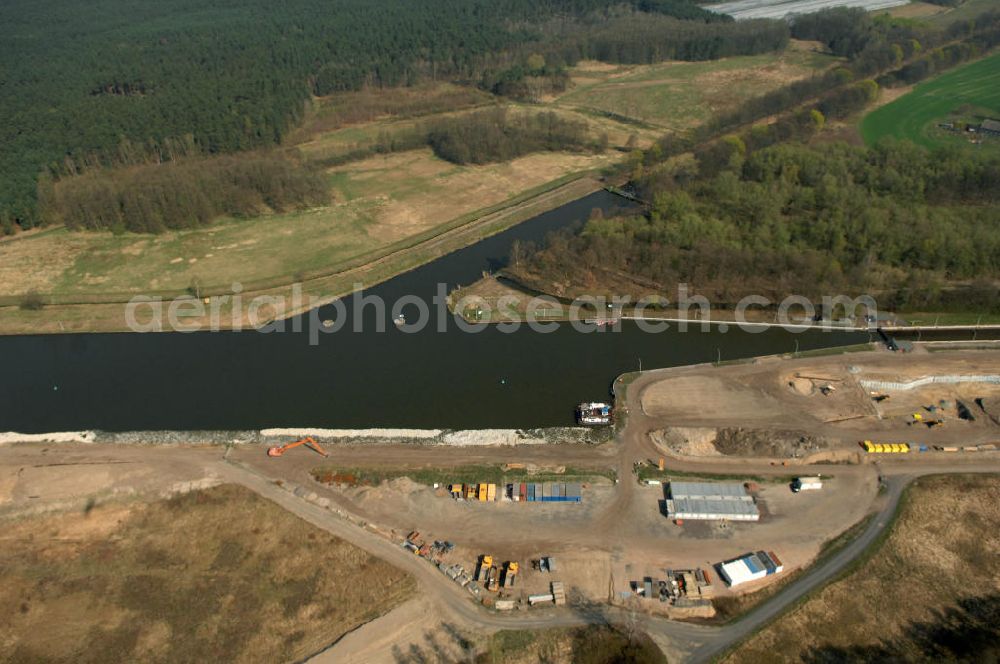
[967, 94]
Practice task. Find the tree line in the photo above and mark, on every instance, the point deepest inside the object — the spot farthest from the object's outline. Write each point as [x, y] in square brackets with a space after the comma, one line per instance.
[495, 135]
[625, 37]
[874, 46]
[836, 92]
[895, 220]
[184, 193]
[480, 137]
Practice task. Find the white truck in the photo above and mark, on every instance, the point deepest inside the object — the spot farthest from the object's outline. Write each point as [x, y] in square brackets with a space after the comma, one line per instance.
[806, 484]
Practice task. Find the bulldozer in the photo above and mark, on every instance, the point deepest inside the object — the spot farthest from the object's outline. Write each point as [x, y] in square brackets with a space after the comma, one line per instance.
[308, 441]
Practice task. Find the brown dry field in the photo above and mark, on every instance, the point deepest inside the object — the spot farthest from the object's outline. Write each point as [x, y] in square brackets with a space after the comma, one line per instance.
[212, 574]
[772, 393]
[384, 265]
[411, 192]
[944, 548]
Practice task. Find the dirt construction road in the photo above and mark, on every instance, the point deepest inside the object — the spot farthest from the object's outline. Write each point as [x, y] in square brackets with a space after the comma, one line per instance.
[680, 641]
[684, 641]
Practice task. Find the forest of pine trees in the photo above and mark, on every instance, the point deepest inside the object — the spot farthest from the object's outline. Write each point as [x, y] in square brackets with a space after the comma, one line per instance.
[180, 194]
[118, 83]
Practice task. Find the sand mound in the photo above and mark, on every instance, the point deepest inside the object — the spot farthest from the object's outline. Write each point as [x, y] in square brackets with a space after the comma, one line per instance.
[354, 433]
[489, 437]
[687, 441]
[802, 386]
[55, 437]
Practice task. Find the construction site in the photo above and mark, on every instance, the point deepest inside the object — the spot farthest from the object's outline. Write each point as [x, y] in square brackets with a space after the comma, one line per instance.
[720, 481]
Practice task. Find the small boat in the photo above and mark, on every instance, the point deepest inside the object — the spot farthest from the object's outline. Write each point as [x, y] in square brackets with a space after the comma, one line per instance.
[593, 413]
[399, 320]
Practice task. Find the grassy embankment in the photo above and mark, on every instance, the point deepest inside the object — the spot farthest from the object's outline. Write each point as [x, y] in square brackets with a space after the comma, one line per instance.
[925, 593]
[493, 300]
[653, 473]
[219, 574]
[967, 94]
[388, 213]
[495, 474]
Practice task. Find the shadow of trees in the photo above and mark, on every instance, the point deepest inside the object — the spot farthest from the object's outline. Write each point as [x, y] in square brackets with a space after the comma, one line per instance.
[446, 644]
[968, 632]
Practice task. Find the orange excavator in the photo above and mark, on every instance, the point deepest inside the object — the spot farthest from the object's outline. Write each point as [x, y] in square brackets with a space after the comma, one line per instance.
[308, 441]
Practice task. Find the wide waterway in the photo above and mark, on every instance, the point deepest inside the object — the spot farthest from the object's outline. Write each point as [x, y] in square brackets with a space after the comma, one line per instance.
[450, 379]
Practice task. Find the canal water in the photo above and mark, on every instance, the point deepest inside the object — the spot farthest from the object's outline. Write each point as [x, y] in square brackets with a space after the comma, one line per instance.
[430, 379]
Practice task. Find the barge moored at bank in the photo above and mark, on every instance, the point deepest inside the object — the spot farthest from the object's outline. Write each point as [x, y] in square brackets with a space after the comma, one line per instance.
[593, 413]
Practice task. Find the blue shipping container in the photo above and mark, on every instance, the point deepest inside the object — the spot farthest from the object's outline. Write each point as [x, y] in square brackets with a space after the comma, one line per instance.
[768, 563]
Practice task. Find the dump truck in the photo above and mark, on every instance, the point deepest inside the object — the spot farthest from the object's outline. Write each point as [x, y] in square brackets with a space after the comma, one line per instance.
[510, 570]
[493, 580]
[483, 570]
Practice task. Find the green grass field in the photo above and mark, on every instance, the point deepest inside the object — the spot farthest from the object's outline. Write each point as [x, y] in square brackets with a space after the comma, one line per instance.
[679, 95]
[966, 93]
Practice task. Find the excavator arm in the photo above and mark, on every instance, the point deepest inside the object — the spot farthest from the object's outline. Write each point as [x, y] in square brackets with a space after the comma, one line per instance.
[308, 441]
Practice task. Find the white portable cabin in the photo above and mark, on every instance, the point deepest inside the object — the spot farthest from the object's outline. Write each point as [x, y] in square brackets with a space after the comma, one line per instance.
[807, 483]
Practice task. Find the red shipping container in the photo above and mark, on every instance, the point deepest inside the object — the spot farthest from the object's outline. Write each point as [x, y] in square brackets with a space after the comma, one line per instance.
[524, 492]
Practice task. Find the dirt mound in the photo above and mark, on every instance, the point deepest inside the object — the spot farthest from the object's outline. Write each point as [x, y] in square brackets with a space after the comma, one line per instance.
[802, 386]
[990, 406]
[764, 442]
[687, 441]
